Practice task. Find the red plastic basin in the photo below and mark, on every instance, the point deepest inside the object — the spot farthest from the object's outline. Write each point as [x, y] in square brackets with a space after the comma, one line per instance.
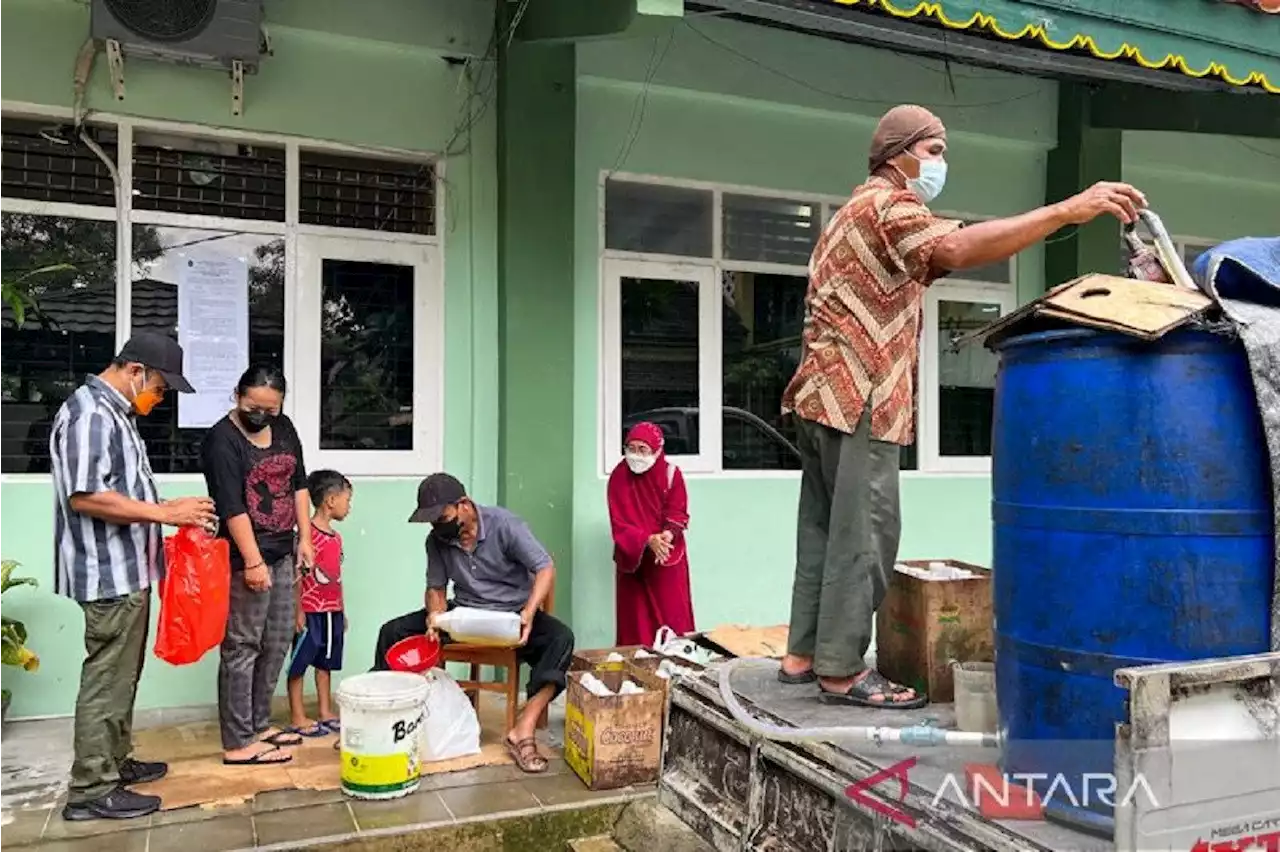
[416, 654]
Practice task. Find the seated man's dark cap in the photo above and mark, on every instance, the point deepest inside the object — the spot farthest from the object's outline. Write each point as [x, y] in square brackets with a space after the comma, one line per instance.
[435, 493]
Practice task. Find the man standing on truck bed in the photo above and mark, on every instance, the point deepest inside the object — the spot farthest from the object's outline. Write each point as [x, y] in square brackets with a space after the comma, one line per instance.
[853, 392]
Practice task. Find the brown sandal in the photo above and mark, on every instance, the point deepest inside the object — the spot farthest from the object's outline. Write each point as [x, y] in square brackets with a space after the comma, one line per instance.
[525, 754]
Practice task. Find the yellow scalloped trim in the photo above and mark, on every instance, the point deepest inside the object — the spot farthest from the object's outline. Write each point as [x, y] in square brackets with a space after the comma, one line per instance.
[987, 22]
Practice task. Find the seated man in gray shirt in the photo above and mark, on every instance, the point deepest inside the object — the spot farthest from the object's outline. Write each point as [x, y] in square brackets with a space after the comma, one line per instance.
[496, 563]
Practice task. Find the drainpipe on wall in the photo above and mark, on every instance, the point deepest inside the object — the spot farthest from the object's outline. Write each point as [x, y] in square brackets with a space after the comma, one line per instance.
[80, 83]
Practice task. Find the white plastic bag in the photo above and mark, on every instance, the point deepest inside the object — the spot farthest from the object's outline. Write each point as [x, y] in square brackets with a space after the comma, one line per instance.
[668, 643]
[451, 728]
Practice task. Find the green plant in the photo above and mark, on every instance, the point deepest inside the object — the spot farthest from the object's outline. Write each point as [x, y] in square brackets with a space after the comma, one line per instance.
[17, 292]
[16, 652]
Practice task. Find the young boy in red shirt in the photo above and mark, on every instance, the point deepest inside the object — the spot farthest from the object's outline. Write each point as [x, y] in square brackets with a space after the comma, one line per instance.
[320, 619]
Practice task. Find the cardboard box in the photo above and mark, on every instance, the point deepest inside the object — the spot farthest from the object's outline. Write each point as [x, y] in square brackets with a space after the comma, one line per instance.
[650, 666]
[616, 740]
[1142, 309]
[594, 660]
[923, 625]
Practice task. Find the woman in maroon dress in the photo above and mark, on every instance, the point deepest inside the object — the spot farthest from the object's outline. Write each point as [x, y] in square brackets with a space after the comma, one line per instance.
[649, 513]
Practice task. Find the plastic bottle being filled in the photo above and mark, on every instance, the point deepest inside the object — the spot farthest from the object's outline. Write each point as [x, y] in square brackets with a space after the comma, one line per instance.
[479, 626]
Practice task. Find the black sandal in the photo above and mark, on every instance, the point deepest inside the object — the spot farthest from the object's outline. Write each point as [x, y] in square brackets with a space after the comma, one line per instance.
[259, 759]
[864, 693]
[796, 679]
[282, 739]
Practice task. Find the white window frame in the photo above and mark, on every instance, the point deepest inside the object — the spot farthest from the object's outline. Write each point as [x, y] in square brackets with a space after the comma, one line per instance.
[709, 385]
[302, 402]
[929, 455]
[428, 353]
[1181, 244]
[708, 462]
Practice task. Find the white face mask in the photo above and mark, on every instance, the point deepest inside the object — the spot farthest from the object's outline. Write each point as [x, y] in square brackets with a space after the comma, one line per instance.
[639, 463]
[933, 177]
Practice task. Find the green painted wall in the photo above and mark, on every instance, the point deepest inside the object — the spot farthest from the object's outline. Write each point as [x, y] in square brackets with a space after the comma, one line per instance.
[536, 144]
[1211, 187]
[750, 107]
[728, 115]
[345, 80]
[735, 104]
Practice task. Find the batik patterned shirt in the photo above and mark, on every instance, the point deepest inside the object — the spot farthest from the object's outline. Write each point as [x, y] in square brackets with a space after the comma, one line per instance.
[861, 340]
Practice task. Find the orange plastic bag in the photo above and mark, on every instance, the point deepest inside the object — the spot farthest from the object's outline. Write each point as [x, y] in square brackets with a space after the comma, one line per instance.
[195, 595]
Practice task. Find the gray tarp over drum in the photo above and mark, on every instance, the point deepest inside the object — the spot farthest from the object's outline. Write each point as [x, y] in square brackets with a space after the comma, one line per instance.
[1244, 276]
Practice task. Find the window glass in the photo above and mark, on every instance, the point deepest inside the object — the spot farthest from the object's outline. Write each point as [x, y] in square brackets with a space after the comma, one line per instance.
[1000, 272]
[1192, 251]
[966, 379]
[59, 320]
[660, 349]
[366, 356]
[658, 219]
[763, 320]
[158, 257]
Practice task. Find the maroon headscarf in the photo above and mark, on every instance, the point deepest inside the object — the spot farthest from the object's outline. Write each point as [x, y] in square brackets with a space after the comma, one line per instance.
[638, 504]
[649, 434]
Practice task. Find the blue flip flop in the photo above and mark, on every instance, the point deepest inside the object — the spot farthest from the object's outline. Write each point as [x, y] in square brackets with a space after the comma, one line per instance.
[319, 729]
[334, 725]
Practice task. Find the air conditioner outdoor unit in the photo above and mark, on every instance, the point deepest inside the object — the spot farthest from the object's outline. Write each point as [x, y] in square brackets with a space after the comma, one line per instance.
[204, 33]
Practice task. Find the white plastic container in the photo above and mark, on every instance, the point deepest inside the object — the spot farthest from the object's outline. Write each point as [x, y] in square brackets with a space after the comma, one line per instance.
[382, 723]
[975, 697]
[480, 626]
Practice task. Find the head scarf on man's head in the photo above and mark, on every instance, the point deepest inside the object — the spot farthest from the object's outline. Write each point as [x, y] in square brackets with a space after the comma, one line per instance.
[649, 434]
[899, 129]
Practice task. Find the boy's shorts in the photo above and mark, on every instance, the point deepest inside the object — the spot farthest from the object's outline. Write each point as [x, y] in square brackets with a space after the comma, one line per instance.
[319, 645]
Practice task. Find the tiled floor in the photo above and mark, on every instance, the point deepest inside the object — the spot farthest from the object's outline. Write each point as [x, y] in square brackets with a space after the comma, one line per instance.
[287, 819]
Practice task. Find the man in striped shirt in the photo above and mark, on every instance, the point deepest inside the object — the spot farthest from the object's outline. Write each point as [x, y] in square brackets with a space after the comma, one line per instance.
[107, 552]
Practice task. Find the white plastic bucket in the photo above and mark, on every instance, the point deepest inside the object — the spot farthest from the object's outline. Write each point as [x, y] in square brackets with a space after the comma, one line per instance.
[382, 722]
[975, 697]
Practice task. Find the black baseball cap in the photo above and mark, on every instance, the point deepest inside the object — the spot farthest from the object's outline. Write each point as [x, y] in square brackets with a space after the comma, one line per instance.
[160, 353]
[435, 493]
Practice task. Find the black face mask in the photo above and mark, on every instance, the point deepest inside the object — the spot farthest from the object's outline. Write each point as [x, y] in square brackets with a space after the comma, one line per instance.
[256, 420]
[449, 530]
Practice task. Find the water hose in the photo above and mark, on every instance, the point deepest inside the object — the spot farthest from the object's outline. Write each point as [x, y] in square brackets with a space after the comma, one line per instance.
[913, 735]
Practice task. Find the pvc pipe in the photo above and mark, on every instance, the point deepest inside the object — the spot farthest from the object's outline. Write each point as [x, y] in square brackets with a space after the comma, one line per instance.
[914, 735]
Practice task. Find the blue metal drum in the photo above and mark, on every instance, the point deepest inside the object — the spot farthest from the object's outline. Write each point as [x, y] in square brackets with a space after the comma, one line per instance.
[1133, 524]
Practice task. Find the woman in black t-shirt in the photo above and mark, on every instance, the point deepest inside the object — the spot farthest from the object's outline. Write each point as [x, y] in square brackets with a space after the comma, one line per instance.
[252, 462]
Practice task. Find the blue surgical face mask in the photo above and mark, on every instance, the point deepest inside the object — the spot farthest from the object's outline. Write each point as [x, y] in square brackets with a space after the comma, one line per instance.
[933, 177]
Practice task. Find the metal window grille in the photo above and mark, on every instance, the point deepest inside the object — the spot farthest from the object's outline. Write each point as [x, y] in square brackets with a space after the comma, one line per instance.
[771, 230]
[45, 161]
[209, 178]
[367, 194]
